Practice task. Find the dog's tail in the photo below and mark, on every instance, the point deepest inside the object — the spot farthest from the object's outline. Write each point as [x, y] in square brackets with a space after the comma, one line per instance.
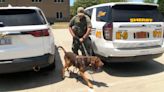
[62, 48]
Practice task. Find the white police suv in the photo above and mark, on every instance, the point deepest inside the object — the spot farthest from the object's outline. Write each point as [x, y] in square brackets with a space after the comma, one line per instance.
[126, 31]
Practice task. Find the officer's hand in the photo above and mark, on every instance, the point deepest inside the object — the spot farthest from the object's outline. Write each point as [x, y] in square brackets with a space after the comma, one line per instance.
[76, 38]
[81, 40]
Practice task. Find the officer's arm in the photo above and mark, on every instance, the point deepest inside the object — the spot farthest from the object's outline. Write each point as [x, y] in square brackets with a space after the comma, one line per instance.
[89, 26]
[87, 33]
[70, 27]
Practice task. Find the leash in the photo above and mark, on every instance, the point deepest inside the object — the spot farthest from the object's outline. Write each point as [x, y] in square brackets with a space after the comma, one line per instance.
[86, 53]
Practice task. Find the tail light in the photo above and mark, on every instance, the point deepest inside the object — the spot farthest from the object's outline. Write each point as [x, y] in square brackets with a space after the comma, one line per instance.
[38, 33]
[107, 31]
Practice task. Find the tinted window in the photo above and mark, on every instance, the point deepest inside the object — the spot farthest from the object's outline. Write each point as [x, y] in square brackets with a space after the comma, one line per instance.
[124, 13]
[17, 17]
[89, 12]
[103, 14]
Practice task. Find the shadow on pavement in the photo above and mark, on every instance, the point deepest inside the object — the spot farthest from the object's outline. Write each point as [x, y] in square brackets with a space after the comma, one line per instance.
[80, 79]
[27, 80]
[133, 69]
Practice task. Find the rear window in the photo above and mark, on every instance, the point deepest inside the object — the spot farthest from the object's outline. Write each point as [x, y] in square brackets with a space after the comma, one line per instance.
[136, 13]
[20, 17]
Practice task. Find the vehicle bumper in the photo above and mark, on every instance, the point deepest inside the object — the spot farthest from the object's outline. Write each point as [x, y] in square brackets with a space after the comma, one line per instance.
[24, 64]
[108, 51]
[130, 59]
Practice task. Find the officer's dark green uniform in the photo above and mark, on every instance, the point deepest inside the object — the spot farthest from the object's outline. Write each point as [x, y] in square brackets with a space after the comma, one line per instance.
[79, 27]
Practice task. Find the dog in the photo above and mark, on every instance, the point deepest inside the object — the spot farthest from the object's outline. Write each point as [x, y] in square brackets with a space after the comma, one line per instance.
[81, 62]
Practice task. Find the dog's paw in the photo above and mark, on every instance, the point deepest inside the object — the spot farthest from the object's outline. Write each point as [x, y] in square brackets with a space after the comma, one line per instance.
[90, 86]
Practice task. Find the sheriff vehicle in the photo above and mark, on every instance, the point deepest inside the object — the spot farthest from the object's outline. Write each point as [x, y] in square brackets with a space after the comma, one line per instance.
[124, 32]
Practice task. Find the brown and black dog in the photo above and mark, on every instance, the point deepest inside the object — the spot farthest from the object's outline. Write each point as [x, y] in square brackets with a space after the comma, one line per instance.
[82, 63]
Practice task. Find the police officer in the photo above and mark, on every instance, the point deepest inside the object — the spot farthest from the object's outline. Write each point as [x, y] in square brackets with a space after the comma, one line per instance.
[80, 28]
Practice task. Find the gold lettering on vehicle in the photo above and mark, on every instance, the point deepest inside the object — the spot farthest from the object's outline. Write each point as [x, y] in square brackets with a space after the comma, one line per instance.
[141, 20]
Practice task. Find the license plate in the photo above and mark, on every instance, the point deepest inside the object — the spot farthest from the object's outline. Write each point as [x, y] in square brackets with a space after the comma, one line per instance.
[5, 41]
[141, 35]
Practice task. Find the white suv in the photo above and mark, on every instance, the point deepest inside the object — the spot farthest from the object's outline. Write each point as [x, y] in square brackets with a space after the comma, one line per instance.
[126, 31]
[26, 40]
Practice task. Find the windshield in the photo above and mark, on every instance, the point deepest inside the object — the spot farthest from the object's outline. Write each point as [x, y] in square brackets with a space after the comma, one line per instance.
[18, 17]
[136, 13]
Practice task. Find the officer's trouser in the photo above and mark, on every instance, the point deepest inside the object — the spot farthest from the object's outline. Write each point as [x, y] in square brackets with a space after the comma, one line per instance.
[76, 45]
